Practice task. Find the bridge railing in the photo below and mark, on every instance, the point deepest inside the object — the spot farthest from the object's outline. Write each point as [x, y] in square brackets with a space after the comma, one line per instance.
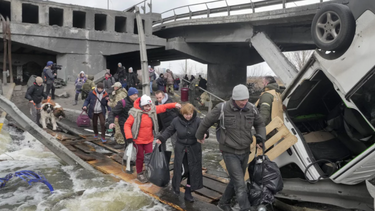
[253, 5]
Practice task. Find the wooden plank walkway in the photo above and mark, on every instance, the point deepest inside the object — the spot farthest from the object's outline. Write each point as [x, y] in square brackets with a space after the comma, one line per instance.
[111, 163]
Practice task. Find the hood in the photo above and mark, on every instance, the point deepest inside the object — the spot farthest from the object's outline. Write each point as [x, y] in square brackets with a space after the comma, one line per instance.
[104, 92]
[272, 86]
[137, 103]
[90, 77]
[186, 122]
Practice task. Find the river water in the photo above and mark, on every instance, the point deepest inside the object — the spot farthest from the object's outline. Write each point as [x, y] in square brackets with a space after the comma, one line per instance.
[100, 192]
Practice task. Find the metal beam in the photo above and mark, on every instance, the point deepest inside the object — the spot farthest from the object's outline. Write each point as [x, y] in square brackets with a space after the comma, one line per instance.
[277, 61]
[47, 140]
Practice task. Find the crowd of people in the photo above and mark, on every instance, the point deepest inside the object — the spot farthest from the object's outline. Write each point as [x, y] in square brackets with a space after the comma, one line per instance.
[140, 121]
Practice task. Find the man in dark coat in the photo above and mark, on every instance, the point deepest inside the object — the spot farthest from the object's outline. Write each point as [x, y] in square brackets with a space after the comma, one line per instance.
[35, 94]
[132, 78]
[237, 116]
[121, 74]
[161, 82]
[203, 84]
[49, 79]
[121, 110]
[188, 151]
[165, 118]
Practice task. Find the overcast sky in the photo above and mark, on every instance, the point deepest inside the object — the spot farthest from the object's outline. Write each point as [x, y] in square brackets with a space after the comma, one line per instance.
[160, 6]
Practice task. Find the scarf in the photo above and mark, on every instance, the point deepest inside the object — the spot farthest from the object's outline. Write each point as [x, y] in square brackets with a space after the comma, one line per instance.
[137, 114]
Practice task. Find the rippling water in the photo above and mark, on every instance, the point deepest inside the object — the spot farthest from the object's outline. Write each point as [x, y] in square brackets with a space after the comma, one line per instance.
[75, 188]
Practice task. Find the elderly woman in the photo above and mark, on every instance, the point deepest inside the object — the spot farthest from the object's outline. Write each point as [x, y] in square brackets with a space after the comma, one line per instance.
[187, 151]
[141, 126]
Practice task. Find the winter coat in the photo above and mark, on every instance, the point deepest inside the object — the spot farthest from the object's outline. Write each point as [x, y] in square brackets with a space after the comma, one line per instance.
[165, 119]
[146, 127]
[120, 111]
[132, 79]
[186, 144]
[265, 102]
[152, 75]
[91, 101]
[116, 96]
[169, 78]
[88, 86]
[48, 75]
[80, 81]
[35, 93]
[108, 83]
[237, 137]
[160, 81]
[121, 72]
[203, 83]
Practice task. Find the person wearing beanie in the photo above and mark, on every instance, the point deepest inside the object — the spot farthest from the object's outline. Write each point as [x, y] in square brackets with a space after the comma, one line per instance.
[96, 106]
[35, 95]
[161, 82]
[141, 126]
[266, 99]
[108, 83]
[121, 112]
[237, 117]
[78, 85]
[49, 78]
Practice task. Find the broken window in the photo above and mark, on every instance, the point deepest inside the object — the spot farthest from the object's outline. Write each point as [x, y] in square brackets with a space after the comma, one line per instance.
[136, 26]
[30, 13]
[79, 19]
[100, 22]
[120, 24]
[56, 16]
[5, 9]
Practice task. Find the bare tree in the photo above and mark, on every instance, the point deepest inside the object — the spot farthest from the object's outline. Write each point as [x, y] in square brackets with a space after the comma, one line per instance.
[258, 70]
[299, 58]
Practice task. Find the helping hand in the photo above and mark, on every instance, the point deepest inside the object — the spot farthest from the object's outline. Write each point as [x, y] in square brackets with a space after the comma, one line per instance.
[178, 105]
[158, 141]
[111, 126]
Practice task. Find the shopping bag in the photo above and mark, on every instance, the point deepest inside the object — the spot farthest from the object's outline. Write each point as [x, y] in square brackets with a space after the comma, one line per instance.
[83, 120]
[157, 166]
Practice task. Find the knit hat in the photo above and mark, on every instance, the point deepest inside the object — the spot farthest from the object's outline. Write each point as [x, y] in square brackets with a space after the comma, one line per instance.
[100, 86]
[81, 72]
[240, 92]
[49, 63]
[117, 84]
[145, 100]
[130, 69]
[38, 80]
[132, 91]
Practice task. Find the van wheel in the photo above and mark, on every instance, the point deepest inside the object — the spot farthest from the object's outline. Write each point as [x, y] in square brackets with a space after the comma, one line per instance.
[333, 27]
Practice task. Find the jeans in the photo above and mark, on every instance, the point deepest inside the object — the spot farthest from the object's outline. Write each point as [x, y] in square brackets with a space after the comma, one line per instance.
[76, 97]
[35, 112]
[51, 87]
[151, 87]
[236, 166]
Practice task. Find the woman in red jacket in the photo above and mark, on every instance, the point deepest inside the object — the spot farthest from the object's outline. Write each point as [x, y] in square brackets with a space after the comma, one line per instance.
[141, 126]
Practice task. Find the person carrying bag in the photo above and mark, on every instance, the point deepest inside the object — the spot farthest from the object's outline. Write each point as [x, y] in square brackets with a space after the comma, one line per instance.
[157, 166]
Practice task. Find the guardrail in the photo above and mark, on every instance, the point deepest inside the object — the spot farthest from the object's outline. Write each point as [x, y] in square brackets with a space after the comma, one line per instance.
[228, 8]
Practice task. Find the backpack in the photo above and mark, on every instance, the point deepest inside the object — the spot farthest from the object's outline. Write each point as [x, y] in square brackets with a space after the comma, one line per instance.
[123, 103]
[79, 84]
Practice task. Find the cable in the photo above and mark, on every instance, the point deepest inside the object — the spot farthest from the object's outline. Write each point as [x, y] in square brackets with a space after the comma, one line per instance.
[322, 177]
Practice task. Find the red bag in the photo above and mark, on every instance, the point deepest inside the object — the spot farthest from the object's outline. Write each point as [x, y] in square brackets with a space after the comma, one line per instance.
[83, 120]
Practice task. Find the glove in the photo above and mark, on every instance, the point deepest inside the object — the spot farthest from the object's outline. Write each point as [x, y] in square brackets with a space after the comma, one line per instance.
[259, 139]
[129, 141]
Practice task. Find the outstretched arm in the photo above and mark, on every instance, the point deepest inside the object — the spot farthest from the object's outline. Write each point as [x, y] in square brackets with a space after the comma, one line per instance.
[208, 121]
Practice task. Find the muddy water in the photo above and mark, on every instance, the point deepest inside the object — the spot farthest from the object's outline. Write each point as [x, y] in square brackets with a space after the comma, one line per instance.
[75, 188]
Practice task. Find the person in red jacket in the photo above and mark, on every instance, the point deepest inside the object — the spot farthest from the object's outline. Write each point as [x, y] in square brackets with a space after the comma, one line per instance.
[141, 126]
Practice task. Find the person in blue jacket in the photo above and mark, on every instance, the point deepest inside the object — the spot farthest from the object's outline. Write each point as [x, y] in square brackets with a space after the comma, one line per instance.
[97, 103]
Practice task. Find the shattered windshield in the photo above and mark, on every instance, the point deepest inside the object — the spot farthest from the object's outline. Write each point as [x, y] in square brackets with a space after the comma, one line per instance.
[364, 98]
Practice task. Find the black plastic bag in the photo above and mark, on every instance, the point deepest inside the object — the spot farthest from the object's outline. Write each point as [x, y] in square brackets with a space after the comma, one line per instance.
[258, 195]
[157, 166]
[267, 173]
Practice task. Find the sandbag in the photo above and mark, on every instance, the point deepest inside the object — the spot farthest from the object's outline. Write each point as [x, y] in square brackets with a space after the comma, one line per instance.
[157, 167]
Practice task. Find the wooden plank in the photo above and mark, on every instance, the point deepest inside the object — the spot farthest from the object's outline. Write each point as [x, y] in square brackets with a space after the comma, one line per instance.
[282, 133]
[84, 147]
[220, 179]
[214, 185]
[205, 192]
[274, 124]
[107, 147]
[281, 147]
[197, 196]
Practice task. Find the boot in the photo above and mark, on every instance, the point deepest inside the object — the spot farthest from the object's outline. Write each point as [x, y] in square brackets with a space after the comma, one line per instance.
[188, 195]
[75, 102]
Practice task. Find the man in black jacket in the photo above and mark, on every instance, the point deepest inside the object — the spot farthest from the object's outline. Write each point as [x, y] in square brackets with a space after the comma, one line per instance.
[121, 110]
[35, 95]
[165, 118]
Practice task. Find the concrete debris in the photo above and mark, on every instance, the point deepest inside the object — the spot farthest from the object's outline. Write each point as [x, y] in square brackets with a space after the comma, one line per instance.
[63, 95]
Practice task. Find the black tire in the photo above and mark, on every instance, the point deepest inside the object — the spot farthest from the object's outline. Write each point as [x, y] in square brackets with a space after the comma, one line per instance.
[333, 27]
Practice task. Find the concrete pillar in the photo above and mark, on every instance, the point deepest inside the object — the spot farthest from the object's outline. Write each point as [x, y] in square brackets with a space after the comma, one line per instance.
[75, 63]
[148, 26]
[130, 24]
[90, 20]
[16, 11]
[110, 23]
[68, 17]
[43, 14]
[221, 78]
